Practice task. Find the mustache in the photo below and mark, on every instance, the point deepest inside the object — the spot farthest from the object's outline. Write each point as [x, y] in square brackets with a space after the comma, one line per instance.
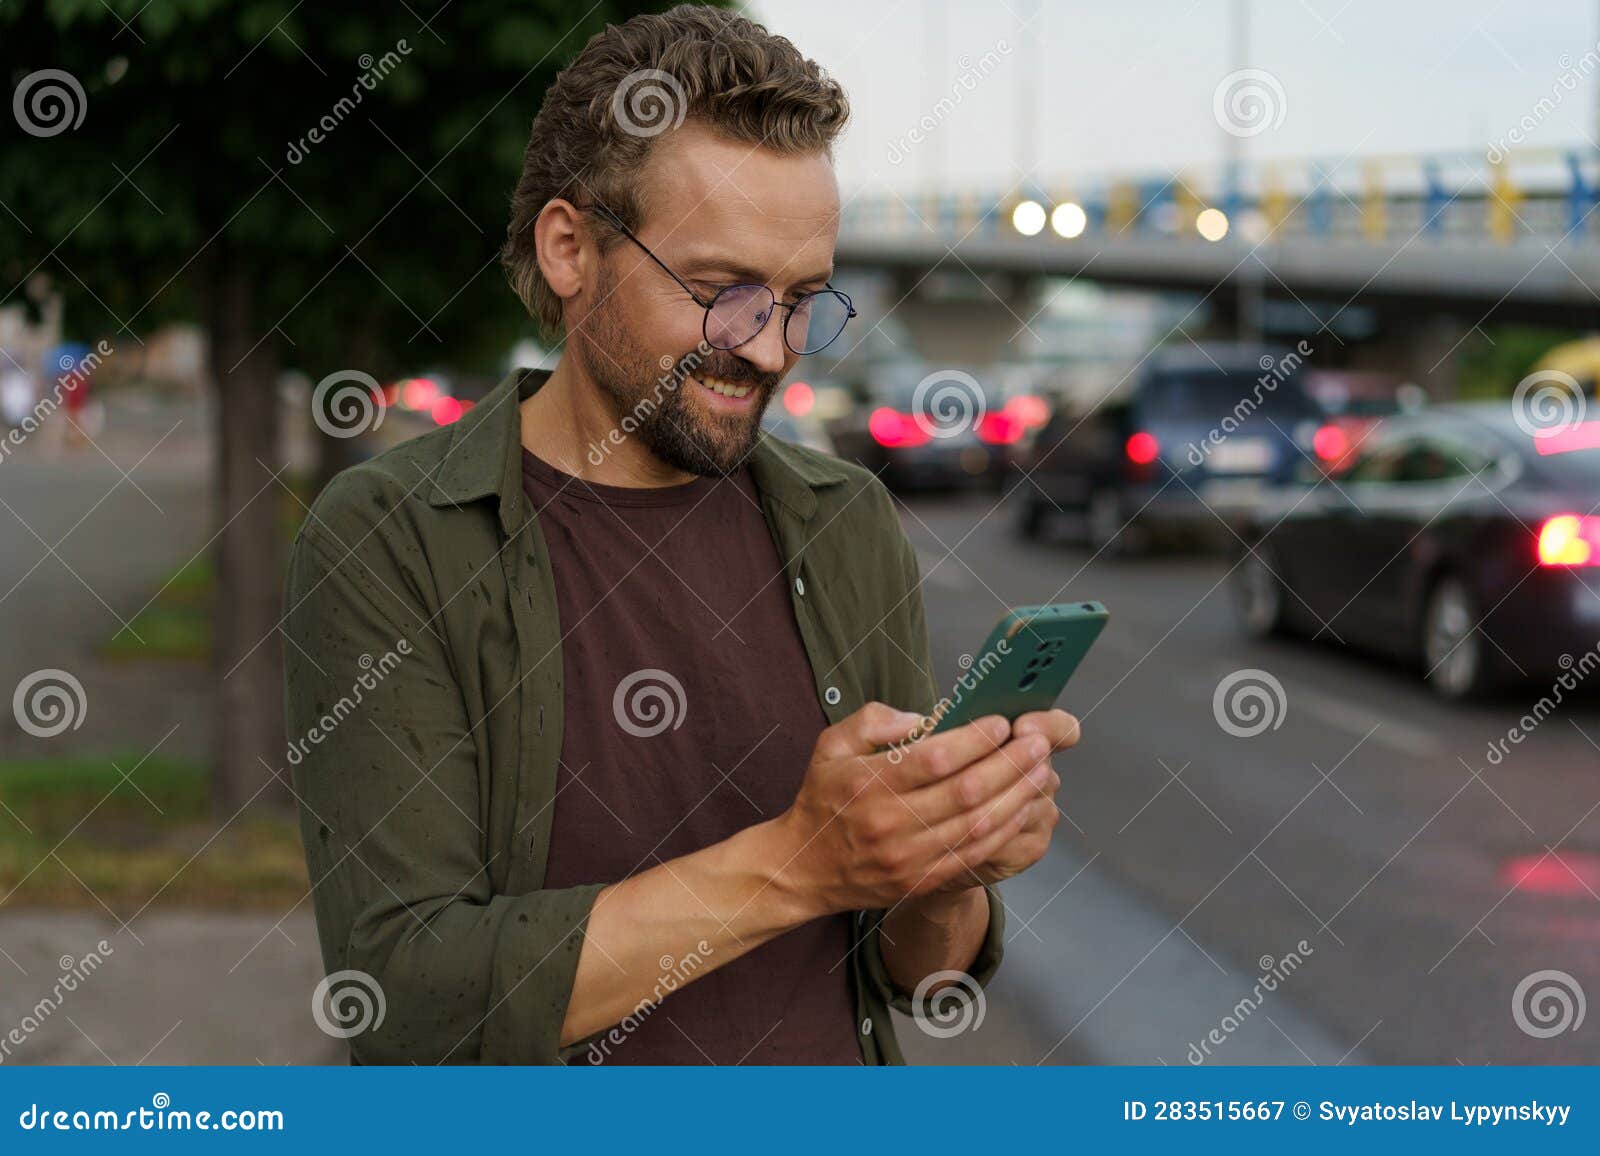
[737, 373]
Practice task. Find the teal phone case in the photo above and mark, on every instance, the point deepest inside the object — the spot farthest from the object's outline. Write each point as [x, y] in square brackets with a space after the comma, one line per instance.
[1025, 663]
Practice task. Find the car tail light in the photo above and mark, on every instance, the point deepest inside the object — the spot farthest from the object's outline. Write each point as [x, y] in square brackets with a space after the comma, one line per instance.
[1143, 451]
[893, 430]
[1567, 439]
[799, 398]
[445, 410]
[1569, 540]
[1330, 443]
[999, 428]
[1031, 411]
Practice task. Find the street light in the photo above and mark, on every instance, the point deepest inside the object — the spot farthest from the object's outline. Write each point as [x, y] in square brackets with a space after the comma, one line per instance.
[1069, 220]
[1028, 218]
[1212, 224]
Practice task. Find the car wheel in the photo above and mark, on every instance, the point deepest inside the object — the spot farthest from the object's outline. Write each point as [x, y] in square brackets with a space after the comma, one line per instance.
[1259, 594]
[1455, 654]
[1110, 533]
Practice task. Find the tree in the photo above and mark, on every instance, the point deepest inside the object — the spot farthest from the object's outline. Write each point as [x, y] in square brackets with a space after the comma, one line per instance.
[322, 186]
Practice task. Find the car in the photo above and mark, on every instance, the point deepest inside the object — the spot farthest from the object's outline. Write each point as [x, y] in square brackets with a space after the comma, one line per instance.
[1198, 435]
[1354, 401]
[1456, 540]
[921, 427]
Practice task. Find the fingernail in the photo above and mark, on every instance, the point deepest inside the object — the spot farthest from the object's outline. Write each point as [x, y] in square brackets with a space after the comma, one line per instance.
[1036, 748]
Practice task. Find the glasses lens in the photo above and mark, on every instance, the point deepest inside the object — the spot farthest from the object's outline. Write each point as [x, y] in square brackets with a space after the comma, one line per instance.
[817, 320]
[737, 314]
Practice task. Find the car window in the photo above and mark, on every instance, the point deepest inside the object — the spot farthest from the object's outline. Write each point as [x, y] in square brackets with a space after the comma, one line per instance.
[1419, 459]
[1210, 395]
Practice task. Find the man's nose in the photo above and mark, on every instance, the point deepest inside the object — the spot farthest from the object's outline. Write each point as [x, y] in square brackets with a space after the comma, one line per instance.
[766, 350]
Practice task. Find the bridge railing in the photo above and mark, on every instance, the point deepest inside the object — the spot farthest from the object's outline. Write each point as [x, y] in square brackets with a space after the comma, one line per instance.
[1548, 195]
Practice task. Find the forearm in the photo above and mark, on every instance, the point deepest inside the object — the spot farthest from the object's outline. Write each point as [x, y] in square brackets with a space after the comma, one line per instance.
[711, 906]
[941, 932]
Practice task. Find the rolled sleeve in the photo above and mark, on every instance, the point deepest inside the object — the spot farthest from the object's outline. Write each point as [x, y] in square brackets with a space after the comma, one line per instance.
[391, 781]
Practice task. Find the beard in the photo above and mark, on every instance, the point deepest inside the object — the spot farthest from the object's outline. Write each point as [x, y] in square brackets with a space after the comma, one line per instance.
[657, 398]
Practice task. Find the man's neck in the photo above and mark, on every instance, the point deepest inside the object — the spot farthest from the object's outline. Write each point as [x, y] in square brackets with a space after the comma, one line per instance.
[569, 424]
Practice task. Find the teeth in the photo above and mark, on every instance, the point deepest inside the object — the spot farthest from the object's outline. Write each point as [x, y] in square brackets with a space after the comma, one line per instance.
[717, 385]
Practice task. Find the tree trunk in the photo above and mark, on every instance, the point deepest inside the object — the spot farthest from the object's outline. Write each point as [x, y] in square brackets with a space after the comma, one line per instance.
[248, 650]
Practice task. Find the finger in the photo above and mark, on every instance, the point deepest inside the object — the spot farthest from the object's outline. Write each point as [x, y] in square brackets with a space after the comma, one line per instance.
[976, 786]
[964, 861]
[1058, 726]
[863, 732]
[1018, 787]
[934, 758]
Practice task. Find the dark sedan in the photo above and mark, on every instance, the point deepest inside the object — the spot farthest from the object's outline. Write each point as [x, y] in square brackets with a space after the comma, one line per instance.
[1455, 539]
[1198, 435]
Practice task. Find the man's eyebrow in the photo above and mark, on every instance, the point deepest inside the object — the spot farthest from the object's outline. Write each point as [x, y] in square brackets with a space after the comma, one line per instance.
[745, 273]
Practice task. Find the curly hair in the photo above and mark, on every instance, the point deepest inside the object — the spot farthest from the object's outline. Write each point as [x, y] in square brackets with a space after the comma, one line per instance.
[636, 81]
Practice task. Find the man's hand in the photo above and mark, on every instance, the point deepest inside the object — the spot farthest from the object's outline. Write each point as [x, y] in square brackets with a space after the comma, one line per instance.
[871, 828]
[1032, 840]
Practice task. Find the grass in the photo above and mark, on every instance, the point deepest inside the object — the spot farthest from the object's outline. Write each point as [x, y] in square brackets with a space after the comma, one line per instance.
[78, 832]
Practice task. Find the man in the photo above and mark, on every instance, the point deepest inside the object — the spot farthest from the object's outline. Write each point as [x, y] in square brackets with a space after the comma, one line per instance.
[619, 794]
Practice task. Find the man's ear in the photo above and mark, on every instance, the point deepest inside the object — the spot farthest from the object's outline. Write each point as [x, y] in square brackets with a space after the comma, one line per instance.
[559, 236]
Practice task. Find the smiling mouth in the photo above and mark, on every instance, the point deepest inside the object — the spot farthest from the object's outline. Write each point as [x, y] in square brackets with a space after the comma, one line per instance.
[723, 388]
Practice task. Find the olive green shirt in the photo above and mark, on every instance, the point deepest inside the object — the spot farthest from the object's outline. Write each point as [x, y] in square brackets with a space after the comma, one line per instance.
[424, 696]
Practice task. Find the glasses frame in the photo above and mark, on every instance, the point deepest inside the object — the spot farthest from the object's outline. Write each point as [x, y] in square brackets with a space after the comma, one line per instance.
[616, 222]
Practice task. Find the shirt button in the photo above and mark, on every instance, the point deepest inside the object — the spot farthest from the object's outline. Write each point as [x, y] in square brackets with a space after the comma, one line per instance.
[800, 587]
[832, 695]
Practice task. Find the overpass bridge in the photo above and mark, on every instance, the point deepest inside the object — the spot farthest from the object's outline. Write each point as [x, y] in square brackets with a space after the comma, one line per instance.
[1431, 245]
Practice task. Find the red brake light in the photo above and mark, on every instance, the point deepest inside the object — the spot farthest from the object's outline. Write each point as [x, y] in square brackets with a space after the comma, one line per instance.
[1143, 448]
[1569, 540]
[1031, 411]
[892, 429]
[445, 410]
[1583, 436]
[1330, 443]
[799, 398]
[999, 428]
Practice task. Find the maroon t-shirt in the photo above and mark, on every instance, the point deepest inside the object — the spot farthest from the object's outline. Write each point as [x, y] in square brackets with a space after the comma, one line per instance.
[690, 714]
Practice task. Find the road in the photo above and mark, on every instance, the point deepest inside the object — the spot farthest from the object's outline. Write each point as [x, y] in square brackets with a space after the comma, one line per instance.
[1368, 823]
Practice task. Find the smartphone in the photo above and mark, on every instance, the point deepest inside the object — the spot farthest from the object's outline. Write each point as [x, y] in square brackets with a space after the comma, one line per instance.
[1025, 663]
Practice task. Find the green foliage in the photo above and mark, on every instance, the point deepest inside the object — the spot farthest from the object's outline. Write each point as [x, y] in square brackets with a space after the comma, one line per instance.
[195, 153]
[1492, 367]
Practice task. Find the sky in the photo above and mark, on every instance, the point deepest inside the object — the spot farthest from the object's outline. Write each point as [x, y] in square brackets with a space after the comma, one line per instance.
[1128, 88]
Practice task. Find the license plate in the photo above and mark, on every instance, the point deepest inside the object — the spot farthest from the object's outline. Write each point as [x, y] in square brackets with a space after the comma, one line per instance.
[1241, 456]
[1232, 494]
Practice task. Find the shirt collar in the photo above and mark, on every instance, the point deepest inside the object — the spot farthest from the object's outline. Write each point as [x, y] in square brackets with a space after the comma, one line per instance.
[485, 458]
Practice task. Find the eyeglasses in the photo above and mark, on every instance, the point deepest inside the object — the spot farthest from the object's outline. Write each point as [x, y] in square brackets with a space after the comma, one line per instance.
[739, 312]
